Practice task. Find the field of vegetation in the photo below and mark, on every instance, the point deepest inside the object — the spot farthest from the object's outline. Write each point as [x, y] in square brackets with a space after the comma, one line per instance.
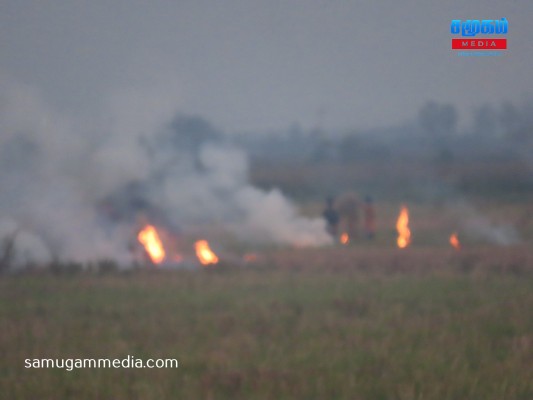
[334, 323]
[365, 321]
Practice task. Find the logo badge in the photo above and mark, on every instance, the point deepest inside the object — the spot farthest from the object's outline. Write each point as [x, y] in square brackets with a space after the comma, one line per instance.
[473, 45]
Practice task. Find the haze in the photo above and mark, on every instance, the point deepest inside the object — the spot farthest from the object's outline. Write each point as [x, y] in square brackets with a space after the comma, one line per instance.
[260, 65]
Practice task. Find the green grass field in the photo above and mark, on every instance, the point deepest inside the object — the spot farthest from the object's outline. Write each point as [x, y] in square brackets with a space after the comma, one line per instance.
[331, 323]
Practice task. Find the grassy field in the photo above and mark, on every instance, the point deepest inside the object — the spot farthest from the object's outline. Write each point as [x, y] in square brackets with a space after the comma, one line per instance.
[330, 323]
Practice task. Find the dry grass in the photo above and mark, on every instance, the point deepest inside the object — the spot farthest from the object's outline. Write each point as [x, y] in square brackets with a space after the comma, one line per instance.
[350, 323]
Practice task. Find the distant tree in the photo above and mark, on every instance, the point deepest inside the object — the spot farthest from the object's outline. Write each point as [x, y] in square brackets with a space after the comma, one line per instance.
[439, 120]
[190, 132]
[517, 121]
[7, 251]
[510, 117]
[486, 121]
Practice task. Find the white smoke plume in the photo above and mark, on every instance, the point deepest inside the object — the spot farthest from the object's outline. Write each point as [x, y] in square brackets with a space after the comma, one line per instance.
[72, 192]
[478, 226]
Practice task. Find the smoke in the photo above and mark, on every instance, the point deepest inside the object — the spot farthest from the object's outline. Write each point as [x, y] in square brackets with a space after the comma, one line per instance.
[478, 226]
[481, 227]
[19, 247]
[276, 220]
[75, 192]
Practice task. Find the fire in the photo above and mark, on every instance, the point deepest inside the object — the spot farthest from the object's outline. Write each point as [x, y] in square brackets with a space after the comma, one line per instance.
[454, 241]
[204, 253]
[345, 239]
[152, 244]
[402, 226]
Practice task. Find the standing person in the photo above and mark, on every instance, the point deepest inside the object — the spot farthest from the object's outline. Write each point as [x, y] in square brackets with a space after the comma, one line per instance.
[348, 206]
[369, 213]
[332, 218]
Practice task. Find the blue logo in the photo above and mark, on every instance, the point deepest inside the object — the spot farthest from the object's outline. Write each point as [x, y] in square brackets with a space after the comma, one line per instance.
[471, 27]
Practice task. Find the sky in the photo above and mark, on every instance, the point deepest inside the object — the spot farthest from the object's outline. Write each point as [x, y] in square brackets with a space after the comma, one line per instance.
[250, 65]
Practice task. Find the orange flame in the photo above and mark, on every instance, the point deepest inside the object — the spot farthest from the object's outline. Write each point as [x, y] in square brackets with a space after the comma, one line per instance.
[454, 241]
[152, 244]
[204, 253]
[402, 226]
[345, 239]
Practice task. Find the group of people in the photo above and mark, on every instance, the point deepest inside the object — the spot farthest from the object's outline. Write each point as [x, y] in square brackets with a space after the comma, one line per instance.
[342, 217]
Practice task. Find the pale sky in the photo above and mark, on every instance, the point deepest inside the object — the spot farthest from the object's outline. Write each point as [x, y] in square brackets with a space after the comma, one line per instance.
[259, 65]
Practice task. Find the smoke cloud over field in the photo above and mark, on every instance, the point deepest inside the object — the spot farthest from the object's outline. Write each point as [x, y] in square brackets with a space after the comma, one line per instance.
[77, 192]
[478, 226]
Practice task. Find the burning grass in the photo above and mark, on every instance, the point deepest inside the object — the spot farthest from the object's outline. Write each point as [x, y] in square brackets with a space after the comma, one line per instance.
[338, 323]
